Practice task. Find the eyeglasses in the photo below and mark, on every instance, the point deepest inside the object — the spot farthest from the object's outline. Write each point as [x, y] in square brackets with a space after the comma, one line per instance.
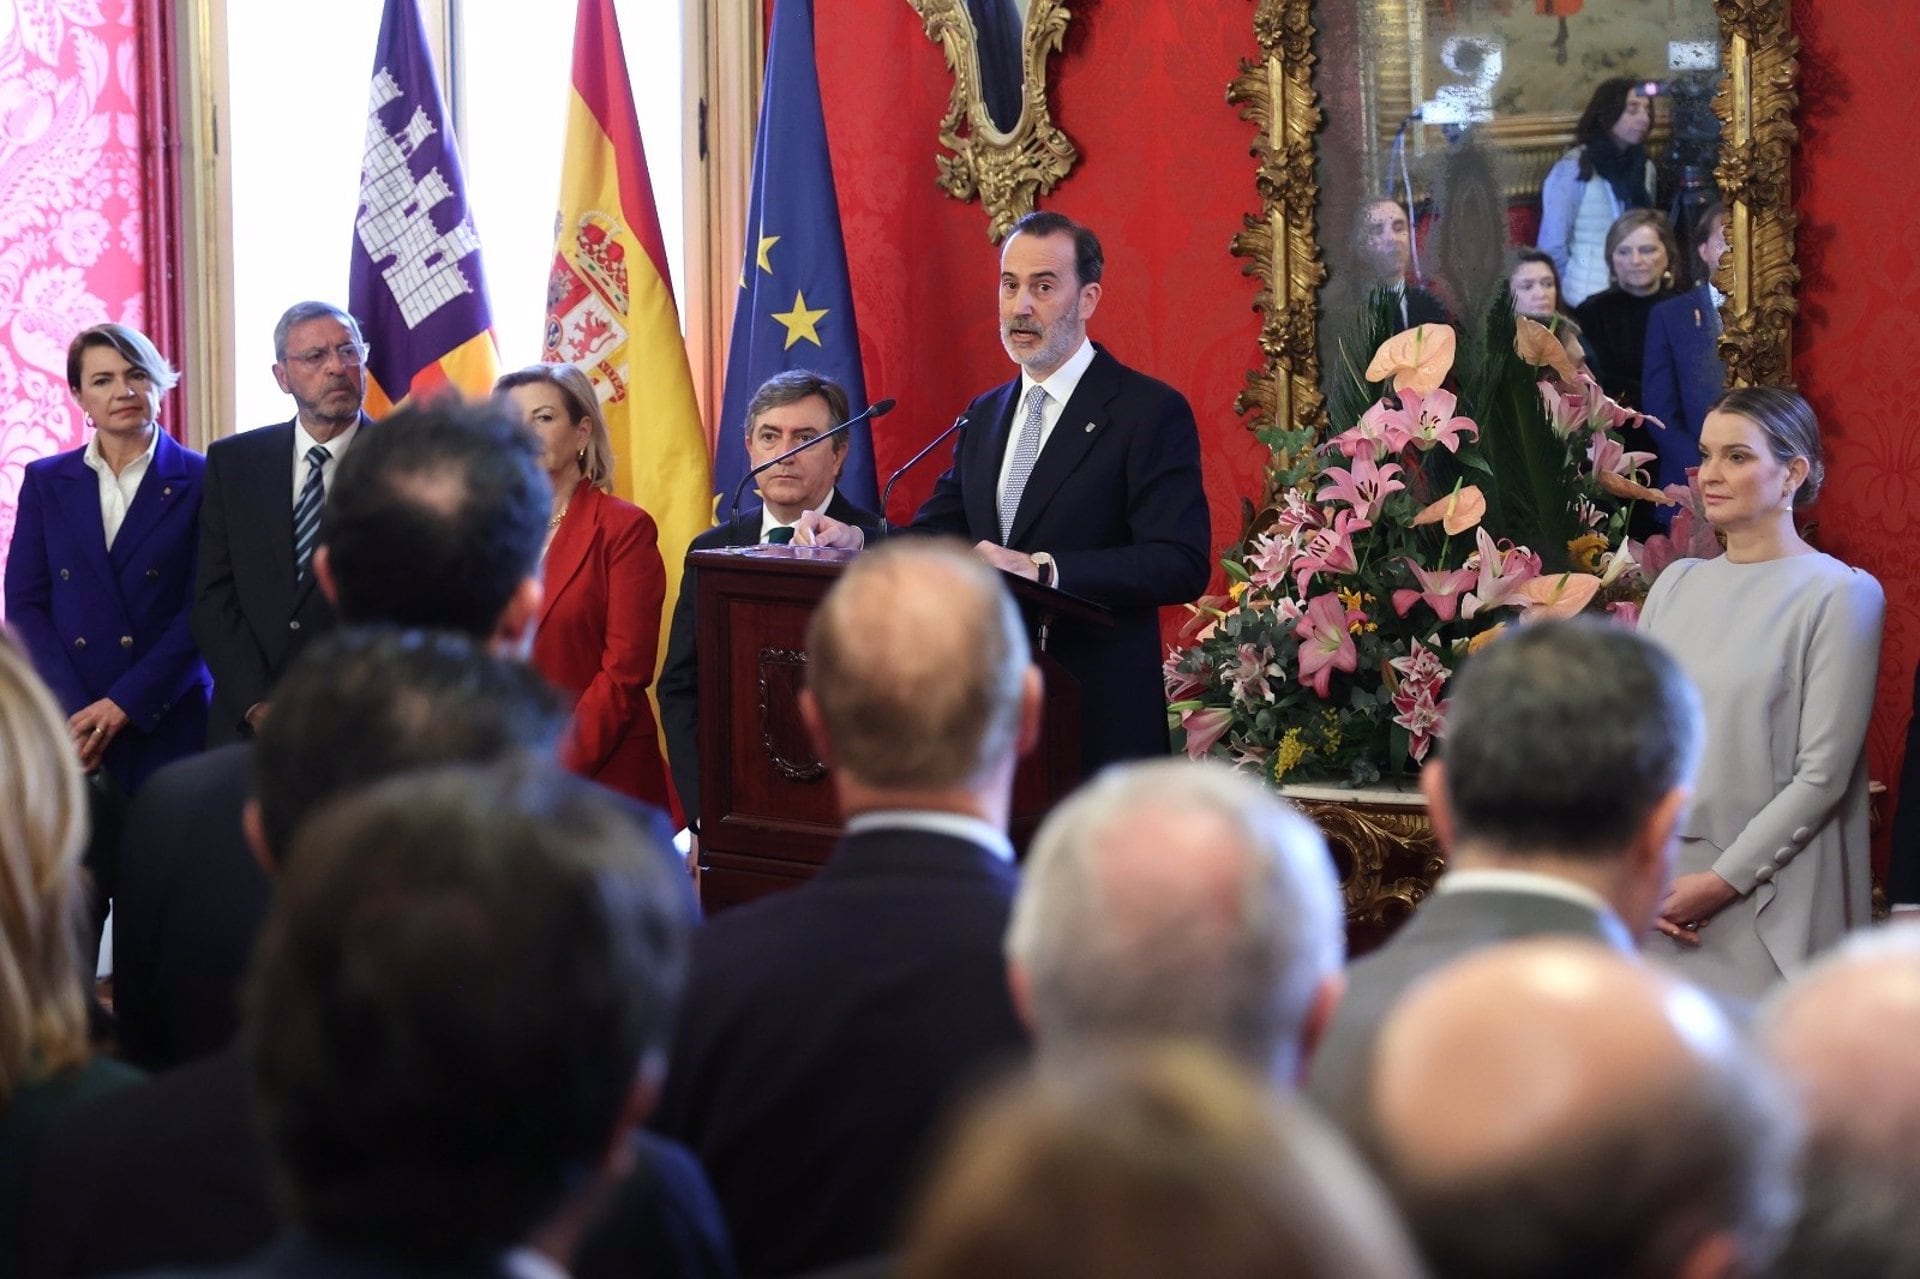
[350, 354]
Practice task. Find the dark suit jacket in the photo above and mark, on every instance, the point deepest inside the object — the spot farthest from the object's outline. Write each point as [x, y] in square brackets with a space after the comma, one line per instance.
[192, 899]
[250, 615]
[1446, 927]
[1680, 376]
[1903, 860]
[102, 623]
[295, 1257]
[598, 636]
[1116, 498]
[679, 689]
[1422, 307]
[824, 1031]
[171, 1174]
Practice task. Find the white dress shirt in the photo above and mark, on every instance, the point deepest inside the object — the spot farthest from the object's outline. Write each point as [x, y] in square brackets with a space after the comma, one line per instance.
[303, 442]
[116, 491]
[1059, 390]
[768, 522]
[957, 825]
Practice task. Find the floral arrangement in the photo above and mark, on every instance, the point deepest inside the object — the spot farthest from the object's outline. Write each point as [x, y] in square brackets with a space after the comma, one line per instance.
[1390, 551]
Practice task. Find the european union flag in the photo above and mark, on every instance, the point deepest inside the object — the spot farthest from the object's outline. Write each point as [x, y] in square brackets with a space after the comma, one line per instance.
[795, 309]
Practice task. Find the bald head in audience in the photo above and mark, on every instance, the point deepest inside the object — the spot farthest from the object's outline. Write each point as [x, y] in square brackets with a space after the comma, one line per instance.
[920, 691]
[1553, 1108]
[1846, 1035]
[1176, 898]
[1146, 1162]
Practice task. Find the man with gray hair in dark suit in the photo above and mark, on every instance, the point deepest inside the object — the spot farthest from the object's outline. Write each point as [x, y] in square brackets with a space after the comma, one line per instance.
[1563, 777]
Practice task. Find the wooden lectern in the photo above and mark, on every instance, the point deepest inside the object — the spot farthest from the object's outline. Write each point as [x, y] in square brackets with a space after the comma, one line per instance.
[768, 816]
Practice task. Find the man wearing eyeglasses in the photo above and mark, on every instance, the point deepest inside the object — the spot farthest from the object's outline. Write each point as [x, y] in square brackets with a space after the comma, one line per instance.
[256, 606]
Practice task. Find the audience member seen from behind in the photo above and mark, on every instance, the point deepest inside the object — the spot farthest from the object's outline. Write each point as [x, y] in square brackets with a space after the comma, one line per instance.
[1606, 173]
[46, 1063]
[1846, 1035]
[1179, 899]
[826, 1029]
[1534, 286]
[99, 580]
[458, 1013]
[1139, 1163]
[1784, 644]
[1546, 832]
[599, 626]
[1553, 1108]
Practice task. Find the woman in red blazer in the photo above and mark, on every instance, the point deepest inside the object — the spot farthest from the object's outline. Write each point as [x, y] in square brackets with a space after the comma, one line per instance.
[599, 626]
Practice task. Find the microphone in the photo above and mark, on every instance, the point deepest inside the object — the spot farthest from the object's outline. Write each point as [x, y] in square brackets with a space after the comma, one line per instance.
[913, 461]
[880, 409]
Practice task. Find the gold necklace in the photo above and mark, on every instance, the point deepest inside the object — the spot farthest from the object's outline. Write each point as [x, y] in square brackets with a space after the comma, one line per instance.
[554, 523]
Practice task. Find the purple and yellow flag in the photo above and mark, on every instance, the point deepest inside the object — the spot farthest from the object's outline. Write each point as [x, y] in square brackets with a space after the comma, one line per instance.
[610, 305]
[415, 282]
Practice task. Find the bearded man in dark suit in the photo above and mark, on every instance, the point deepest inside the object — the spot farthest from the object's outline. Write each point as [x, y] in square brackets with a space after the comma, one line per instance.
[256, 602]
[1082, 474]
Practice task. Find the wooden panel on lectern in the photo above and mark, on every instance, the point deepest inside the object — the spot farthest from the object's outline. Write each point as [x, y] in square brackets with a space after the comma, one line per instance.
[769, 815]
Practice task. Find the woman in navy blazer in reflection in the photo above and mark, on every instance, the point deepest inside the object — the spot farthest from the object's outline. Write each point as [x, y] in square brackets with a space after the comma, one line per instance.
[100, 573]
[599, 629]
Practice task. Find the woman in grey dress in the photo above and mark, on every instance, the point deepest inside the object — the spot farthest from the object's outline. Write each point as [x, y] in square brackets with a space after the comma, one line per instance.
[1784, 644]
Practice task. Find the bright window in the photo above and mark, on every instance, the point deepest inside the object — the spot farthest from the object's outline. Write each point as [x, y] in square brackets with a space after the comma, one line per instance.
[297, 105]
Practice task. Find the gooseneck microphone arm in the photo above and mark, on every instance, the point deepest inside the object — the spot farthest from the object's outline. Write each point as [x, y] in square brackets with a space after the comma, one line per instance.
[880, 409]
[912, 462]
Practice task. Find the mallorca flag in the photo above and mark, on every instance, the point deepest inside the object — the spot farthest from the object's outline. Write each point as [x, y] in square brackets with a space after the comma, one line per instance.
[415, 283]
[795, 309]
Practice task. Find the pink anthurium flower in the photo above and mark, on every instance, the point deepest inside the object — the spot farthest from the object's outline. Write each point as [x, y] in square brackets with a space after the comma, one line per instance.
[1365, 487]
[1457, 512]
[1561, 595]
[1326, 645]
[1439, 589]
[1419, 357]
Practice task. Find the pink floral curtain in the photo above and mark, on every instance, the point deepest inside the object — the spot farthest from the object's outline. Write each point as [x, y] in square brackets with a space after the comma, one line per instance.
[76, 161]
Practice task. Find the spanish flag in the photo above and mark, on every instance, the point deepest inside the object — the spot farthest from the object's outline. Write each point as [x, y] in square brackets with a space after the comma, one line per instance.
[414, 281]
[610, 306]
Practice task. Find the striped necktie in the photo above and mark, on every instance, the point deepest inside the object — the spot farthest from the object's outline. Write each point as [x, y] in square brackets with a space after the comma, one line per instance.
[1026, 450]
[306, 511]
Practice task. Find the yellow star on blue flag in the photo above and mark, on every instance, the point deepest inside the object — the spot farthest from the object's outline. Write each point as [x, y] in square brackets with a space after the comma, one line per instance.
[801, 323]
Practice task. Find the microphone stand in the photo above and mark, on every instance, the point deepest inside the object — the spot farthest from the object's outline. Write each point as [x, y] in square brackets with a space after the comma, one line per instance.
[913, 461]
[880, 409]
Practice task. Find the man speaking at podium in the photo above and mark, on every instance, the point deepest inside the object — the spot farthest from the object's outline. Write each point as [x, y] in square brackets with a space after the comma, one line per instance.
[1082, 474]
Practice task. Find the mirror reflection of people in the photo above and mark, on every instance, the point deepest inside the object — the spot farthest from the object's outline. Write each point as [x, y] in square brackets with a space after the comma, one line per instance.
[599, 628]
[1681, 371]
[1643, 255]
[1534, 285]
[1606, 173]
[100, 575]
[1383, 244]
[1783, 643]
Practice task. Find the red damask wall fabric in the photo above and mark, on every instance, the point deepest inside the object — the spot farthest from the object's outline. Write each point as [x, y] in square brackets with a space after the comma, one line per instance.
[1165, 178]
[1859, 329]
[72, 235]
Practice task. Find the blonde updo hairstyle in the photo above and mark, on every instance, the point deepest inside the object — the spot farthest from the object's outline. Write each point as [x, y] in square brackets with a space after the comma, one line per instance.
[1787, 420]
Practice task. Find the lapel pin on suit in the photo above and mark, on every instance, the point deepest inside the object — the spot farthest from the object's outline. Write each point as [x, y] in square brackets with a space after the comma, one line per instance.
[1090, 427]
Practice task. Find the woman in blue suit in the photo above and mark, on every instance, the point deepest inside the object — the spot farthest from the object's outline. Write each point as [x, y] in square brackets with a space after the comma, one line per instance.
[100, 575]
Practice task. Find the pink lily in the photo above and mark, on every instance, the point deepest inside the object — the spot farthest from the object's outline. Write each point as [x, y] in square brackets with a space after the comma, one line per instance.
[1326, 645]
[1421, 675]
[1606, 453]
[1330, 550]
[1501, 571]
[1250, 672]
[1365, 487]
[1180, 685]
[1205, 727]
[1434, 420]
[1439, 589]
[1270, 559]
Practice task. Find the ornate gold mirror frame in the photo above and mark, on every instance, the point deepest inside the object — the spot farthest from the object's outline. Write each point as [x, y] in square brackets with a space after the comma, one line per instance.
[1755, 104]
[1008, 169]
